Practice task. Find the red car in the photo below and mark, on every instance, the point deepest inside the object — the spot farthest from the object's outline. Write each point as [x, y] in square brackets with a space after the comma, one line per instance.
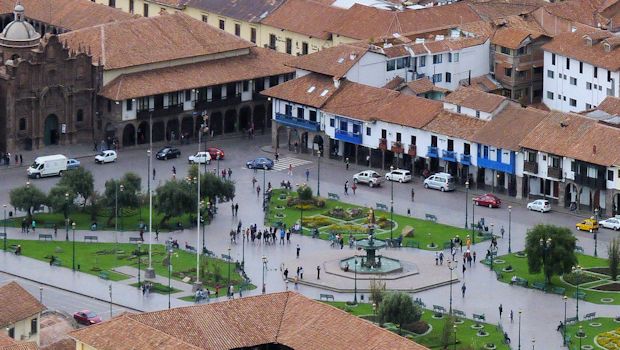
[86, 317]
[215, 152]
[488, 200]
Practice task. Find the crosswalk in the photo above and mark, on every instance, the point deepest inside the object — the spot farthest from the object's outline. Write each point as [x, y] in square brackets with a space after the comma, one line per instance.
[283, 163]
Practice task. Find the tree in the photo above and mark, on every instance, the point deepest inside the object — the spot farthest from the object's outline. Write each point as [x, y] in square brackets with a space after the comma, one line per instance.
[447, 332]
[304, 192]
[398, 308]
[614, 258]
[175, 198]
[211, 185]
[27, 198]
[128, 197]
[377, 290]
[57, 200]
[80, 181]
[550, 249]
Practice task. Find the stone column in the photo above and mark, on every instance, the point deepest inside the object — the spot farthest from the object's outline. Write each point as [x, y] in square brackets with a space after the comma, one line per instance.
[519, 187]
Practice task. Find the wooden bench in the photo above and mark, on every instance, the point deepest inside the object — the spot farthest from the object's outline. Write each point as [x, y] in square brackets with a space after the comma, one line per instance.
[539, 285]
[333, 196]
[326, 297]
[91, 239]
[499, 274]
[589, 316]
[419, 302]
[479, 317]
[571, 320]
[381, 206]
[45, 237]
[430, 217]
[412, 244]
[2, 235]
[134, 239]
[226, 257]
[579, 249]
[520, 282]
[459, 313]
[57, 262]
[558, 290]
[439, 310]
[207, 252]
[580, 295]
[104, 275]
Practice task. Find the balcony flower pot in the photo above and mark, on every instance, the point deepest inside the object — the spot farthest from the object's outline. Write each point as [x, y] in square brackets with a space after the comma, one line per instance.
[412, 151]
[397, 147]
[383, 144]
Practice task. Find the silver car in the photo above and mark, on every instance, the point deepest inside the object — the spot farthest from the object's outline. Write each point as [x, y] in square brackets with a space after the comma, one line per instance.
[440, 181]
[370, 177]
[399, 175]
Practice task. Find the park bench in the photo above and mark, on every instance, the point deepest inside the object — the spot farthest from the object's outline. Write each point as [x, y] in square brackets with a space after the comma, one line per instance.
[558, 290]
[479, 317]
[104, 275]
[45, 237]
[207, 252]
[2, 235]
[439, 310]
[579, 295]
[571, 320]
[579, 249]
[326, 297]
[539, 285]
[567, 338]
[459, 313]
[412, 244]
[57, 262]
[91, 238]
[381, 206]
[499, 274]
[589, 316]
[333, 196]
[430, 217]
[226, 257]
[520, 282]
[396, 242]
[134, 239]
[12, 248]
[419, 302]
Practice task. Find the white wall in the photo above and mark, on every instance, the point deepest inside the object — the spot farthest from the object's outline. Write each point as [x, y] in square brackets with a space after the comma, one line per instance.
[129, 115]
[371, 70]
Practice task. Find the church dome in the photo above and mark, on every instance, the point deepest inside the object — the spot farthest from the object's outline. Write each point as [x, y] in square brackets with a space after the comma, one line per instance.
[19, 33]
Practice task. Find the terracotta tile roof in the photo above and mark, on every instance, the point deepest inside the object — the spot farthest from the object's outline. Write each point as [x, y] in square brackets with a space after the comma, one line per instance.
[300, 90]
[245, 10]
[573, 45]
[408, 110]
[395, 83]
[610, 105]
[492, 9]
[365, 22]
[152, 39]
[178, 4]
[68, 14]
[581, 11]
[258, 63]
[600, 145]
[334, 61]
[507, 129]
[306, 17]
[285, 318]
[475, 99]
[64, 344]
[5, 340]
[21, 346]
[22, 305]
[358, 101]
[455, 125]
[512, 38]
[424, 85]
[551, 137]
[484, 83]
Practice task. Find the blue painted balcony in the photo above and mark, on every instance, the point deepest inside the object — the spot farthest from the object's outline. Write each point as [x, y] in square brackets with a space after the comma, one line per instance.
[349, 137]
[495, 165]
[291, 121]
[432, 152]
[448, 155]
[465, 159]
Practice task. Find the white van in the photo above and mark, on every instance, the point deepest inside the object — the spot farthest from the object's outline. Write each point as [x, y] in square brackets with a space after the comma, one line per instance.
[440, 181]
[53, 165]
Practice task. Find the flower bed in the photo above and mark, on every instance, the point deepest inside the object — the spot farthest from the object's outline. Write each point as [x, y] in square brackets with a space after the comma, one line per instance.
[346, 214]
[316, 221]
[346, 229]
[609, 287]
[579, 278]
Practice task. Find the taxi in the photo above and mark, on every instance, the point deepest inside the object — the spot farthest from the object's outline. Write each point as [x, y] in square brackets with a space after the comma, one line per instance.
[589, 225]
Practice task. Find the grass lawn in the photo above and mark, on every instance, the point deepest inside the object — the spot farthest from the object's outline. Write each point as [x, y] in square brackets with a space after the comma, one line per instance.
[519, 265]
[159, 288]
[593, 328]
[94, 258]
[466, 336]
[426, 232]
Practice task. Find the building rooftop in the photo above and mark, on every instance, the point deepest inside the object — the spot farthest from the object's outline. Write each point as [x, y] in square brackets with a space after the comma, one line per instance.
[311, 90]
[152, 39]
[286, 318]
[484, 83]
[258, 63]
[424, 85]
[20, 346]
[408, 110]
[610, 105]
[574, 45]
[492, 9]
[359, 101]
[513, 37]
[509, 127]
[334, 61]
[475, 99]
[244, 10]
[455, 125]
[581, 11]
[22, 305]
[306, 17]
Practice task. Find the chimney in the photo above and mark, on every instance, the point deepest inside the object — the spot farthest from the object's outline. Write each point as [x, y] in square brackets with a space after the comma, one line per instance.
[336, 82]
[594, 149]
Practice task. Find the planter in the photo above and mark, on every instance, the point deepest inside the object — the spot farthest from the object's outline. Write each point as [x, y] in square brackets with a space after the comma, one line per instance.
[280, 215]
[607, 301]
[520, 254]
[279, 207]
[595, 324]
[477, 326]
[490, 346]
[459, 321]
[507, 269]
[482, 333]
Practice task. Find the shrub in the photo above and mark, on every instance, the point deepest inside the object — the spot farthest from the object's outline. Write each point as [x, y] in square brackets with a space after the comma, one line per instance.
[304, 192]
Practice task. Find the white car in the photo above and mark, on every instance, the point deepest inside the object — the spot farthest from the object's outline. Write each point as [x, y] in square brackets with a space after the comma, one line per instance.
[370, 177]
[106, 157]
[199, 158]
[399, 175]
[541, 205]
[612, 223]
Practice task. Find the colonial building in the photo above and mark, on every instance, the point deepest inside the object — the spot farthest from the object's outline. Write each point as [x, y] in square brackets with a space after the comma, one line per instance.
[20, 314]
[47, 90]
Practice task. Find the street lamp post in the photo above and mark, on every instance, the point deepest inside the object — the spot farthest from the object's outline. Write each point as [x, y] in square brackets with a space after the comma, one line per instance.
[473, 214]
[264, 188]
[169, 272]
[73, 260]
[454, 345]
[243, 253]
[66, 215]
[564, 328]
[139, 261]
[202, 221]
[318, 173]
[149, 272]
[595, 233]
[110, 290]
[466, 199]
[4, 224]
[451, 265]
[355, 285]
[229, 261]
[264, 267]
[519, 347]
[391, 207]
[580, 335]
[577, 270]
[509, 228]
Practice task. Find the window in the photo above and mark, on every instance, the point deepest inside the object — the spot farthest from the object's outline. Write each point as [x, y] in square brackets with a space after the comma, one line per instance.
[608, 75]
[344, 126]
[356, 129]
[289, 46]
[413, 140]
[391, 65]
[109, 106]
[588, 106]
[508, 72]
[433, 141]
[505, 50]
[402, 62]
[538, 70]
[573, 81]
[549, 73]
[288, 110]
[145, 10]
[11, 332]
[450, 145]
[143, 103]
[521, 74]
[205, 18]
[455, 57]
[591, 172]
[272, 41]
[188, 95]
[304, 48]
[580, 67]
[448, 77]
[477, 114]
[398, 137]
[458, 109]
[610, 175]
[273, 80]
[332, 122]
[422, 61]
[173, 99]
[572, 166]
[573, 102]
[522, 50]
[34, 323]
[112, 3]
[449, 56]
[237, 29]
[129, 104]
[312, 115]
[567, 63]
[466, 148]
[131, 6]
[245, 85]
[550, 95]
[300, 112]
[553, 59]
[436, 78]
[588, 86]
[22, 124]
[253, 35]
[222, 24]
[437, 58]
[383, 133]
[596, 72]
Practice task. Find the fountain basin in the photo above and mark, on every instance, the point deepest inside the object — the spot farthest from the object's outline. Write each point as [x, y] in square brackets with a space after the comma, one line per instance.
[387, 265]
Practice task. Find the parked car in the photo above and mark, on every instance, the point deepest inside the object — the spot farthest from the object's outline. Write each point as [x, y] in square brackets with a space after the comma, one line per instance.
[589, 225]
[541, 205]
[440, 181]
[260, 163]
[370, 177]
[47, 166]
[86, 317]
[167, 153]
[199, 158]
[72, 164]
[215, 152]
[488, 200]
[612, 223]
[106, 157]
[399, 175]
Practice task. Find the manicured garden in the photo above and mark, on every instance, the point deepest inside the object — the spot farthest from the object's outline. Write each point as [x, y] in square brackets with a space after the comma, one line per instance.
[593, 280]
[598, 333]
[467, 334]
[331, 217]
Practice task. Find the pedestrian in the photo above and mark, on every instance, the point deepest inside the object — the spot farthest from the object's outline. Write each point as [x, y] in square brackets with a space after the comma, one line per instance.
[23, 225]
[453, 252]
[346, 187]
[440, 258]
[231, 292]
[347, 163]
[55, 230]
[34, 226]
[154, 174]
[290, 170]
[298, 268]
[257, 191]
[368, 161]
[21, 159]
[307, 175]
[236, 209]
[512, 316]
[298, 249]
[436, 259]
[142, 235]
[502, 231]
[16, 159]
[254, 182]
[354, 187]
[229, 173]
[288, 236]
[277, 155]
[232, 208]
[286, 285]
[463, 288]
[412, 193]
[500, 310]
[318, 272]
[301, 273]
[474, 256]
[464, 269]
[157, 233]
[286, 273]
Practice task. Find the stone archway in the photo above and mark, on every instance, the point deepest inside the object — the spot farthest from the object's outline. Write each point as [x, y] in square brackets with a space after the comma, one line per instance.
[51, 134]
[129, 135]
[143, 132]
[159, 130]
[596, 201]
[245, 118]
[318, 141]
[215, 123]
[259, 117]
[187, 127]
[282, 137]
[230, 121]
[615, 204]
[172, 130]
[571, 194]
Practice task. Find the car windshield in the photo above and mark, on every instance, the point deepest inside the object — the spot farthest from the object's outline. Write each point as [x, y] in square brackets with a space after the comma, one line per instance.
[164, 150]
[374, 175]
[90, 314]
[451, 180]
[35, 165]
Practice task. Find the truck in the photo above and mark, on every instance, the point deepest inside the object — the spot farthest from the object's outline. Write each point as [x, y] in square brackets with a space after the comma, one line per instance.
[53, 165]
